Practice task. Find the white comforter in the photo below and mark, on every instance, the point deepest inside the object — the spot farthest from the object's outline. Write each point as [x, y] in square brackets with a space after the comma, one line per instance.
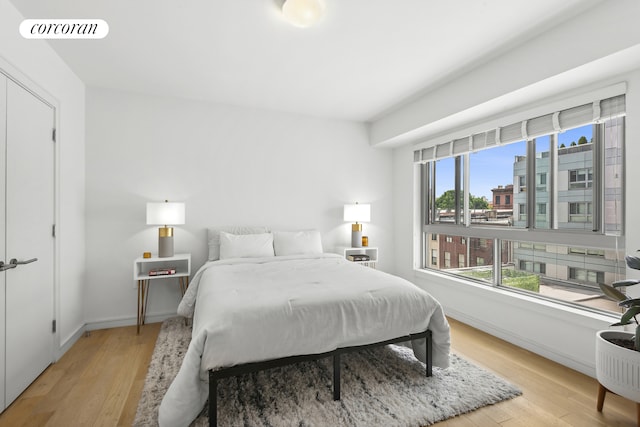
[255, 309]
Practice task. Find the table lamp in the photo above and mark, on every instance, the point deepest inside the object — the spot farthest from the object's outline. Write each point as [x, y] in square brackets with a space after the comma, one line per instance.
[165, 213]
[357, 213]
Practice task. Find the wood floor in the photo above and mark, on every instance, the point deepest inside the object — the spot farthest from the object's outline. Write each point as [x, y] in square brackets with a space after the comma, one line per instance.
[99, 380]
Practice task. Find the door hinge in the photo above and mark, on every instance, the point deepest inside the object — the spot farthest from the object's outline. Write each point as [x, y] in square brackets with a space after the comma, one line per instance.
[53, 326]
[53, 230]
[53, 135]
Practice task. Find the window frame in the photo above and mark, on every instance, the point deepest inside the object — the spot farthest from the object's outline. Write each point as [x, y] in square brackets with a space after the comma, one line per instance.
[594, 237]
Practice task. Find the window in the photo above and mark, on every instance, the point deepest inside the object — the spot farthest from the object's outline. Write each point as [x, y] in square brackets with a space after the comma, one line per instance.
[590, 252]
[534, 267]
[542, 219]
[449, 239]
[522, 212]
[448, 178]
[580, 212]
[573, 160]
[541, 182]
[522, 179]
[586, 276]
[613, 136]
[477, 254]
[542, 163]
[491, 175]
[580, 178]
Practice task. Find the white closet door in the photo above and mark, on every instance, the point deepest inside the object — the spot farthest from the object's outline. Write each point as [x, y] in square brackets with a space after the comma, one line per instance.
[3, 146]
[29, 221]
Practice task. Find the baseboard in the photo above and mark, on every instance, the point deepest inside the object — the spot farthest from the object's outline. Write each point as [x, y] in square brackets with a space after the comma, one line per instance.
[69, 342]
[126, 321]
[518, 340]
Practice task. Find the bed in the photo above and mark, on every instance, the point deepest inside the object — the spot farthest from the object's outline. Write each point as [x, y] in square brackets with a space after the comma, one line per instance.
[254, 308]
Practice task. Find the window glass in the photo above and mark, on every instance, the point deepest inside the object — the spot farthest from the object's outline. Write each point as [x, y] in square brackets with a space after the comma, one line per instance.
[543, 169]
[493, 176]
[575, 178]
[613, 137]
[445, 185]
[464, 256]
[570, 274]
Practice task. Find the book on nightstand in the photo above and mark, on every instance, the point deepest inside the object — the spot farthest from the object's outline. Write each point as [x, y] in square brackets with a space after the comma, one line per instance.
[358, 257]
[162, 271]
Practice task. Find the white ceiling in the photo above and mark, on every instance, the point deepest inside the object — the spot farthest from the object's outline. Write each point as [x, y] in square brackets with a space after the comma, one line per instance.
[364, 58]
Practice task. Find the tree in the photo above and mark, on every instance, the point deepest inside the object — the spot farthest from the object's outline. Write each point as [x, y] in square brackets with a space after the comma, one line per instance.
[448, 201]
[582, 140]
[478, 202]
[562, 145]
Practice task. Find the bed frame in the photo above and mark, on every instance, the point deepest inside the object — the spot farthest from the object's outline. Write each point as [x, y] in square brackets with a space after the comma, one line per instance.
[246, 368]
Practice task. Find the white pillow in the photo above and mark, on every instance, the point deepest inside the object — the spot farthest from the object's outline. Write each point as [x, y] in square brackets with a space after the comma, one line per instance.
[297, 242]
[245, 245]
[213, 235]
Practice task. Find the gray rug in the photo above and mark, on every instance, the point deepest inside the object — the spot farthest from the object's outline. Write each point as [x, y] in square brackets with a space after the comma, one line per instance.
[385, 386]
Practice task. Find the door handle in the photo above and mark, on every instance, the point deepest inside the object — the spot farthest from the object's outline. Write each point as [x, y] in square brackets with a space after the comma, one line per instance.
[5, 267]
[14, 262]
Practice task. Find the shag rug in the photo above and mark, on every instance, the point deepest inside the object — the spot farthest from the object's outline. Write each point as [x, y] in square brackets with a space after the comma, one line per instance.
[385, 386]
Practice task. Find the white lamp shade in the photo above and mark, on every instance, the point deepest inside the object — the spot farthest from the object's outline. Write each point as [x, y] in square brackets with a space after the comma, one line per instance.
[303, 13]
[165, 213]
[357, 213]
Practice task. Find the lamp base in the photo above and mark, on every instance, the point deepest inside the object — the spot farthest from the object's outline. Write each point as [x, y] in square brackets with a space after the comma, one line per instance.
[165, 242]
[356, 235]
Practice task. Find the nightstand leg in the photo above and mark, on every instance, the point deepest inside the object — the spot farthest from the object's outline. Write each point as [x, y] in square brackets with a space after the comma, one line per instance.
[139, 304]
[145, 297]
[143, 293]
[184, 284]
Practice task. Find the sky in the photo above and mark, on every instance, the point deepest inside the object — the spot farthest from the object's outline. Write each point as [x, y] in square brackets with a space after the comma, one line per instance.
[494, 166]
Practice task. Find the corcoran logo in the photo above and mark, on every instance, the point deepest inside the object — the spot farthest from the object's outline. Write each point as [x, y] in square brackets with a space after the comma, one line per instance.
[64, 29]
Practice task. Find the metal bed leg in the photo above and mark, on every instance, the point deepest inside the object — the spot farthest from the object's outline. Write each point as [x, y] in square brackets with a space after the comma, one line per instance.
[336, 376]
[213, 400]
[429, 354]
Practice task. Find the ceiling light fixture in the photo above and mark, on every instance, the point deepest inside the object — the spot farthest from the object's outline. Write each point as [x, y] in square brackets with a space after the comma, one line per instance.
[303, 13]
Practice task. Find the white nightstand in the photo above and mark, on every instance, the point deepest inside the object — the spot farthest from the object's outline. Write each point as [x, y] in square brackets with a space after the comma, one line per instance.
[181, 263]
[366, 250]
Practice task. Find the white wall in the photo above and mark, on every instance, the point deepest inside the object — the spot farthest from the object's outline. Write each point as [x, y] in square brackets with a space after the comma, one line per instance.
[37, 65]
[232, 166]
[567, 336]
